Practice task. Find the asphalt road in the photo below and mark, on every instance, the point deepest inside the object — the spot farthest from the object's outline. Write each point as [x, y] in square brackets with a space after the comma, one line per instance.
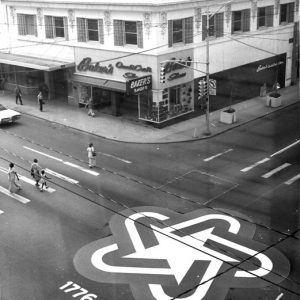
[210, 219]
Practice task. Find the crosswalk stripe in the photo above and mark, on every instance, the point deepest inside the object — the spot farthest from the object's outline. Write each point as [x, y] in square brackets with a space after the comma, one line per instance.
[42, 153]
[1, 212]
[63, 177]
[81, 168]
[255, 165]
[293, 179]
[28, 180]
[13, 195]
[272, 172]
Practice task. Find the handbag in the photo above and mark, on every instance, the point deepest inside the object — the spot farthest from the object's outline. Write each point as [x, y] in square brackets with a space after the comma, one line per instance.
[94, 153]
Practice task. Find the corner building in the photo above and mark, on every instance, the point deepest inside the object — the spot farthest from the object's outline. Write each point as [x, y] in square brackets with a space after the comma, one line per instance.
[83, 50]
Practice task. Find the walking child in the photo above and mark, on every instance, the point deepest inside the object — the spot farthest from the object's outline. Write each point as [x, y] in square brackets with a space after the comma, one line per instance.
[43, 180]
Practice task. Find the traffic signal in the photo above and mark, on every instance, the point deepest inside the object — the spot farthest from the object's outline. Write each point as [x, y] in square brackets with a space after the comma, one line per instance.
[202, 88]
[162, 74]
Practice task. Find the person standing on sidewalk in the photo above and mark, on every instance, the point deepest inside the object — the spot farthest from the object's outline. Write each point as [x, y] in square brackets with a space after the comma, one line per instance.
[18, 95]
[91, 107]
[40, 100]
[91, 155]
[12, 177]
[35, 171]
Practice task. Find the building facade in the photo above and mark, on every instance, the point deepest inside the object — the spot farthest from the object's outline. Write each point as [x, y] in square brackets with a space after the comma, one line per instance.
[80, 50]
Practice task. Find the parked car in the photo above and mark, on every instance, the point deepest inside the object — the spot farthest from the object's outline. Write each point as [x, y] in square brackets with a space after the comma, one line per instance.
[8, 115]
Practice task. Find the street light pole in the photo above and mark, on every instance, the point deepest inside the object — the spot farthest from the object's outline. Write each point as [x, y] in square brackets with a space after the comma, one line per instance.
[208, 132]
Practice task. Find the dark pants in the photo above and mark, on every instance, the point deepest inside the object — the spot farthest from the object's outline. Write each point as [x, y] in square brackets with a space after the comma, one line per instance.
[18, 97]
[41, 104]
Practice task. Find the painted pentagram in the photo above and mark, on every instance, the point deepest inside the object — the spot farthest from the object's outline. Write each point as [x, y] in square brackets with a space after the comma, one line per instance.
[164, 255]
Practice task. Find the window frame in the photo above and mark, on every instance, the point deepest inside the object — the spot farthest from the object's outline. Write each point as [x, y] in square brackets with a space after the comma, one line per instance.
[29, 26]
[126, 34]
[88, 31]
[289, 6]
[182, 31]
[55, 27]
[266, 17]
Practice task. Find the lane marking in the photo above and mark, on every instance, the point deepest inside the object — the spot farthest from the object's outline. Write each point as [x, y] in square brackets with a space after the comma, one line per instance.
[1, 212]
[254, 165]
[217, 155]
[272, 172]
[42, 153]
[63, 177]
[28, 180]
[284, 149]
[293, 179]
[116, 157]
[13, 195]
[81, 168]
[64, 162]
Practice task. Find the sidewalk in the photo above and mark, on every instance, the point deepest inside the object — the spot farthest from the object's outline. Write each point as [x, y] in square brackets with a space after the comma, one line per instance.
[121, 129]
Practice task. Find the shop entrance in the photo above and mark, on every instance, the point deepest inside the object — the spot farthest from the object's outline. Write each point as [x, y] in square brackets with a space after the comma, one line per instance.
[60, 84]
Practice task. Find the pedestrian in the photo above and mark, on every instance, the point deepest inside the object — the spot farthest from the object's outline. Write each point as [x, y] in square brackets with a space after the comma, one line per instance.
[12, 177]
[43, 180]
[91, 155]
[18, 95]
[35, 171]
[40, 100]
[91, 107]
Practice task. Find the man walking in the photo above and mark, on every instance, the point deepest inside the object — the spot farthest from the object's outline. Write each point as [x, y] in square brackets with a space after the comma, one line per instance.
[40, 100]
[18, 95]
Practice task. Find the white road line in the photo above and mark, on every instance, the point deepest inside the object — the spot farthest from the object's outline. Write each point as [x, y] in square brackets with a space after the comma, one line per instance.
[254, 165]
[282, 150]
[65, 162]
[50, 156]
[272, 172]
[63, 177]
[217, 155]
[116, 157]
[13, 195]
[1, 212]
[28, 180]
[81, 168]
[293, 179]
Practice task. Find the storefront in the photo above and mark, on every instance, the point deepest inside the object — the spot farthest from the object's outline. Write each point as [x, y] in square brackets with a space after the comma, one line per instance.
[247, 81]
[33, 74]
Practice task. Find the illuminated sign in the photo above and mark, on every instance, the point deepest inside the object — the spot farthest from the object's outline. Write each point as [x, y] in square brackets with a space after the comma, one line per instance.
[162, 254]
[139, 85]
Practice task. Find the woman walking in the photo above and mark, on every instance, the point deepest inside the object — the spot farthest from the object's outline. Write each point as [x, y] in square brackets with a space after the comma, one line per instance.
[12, 177]
[91, 155]
[35, 171]
[40, 100]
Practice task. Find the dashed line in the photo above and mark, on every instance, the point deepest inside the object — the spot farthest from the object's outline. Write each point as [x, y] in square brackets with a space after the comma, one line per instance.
[47, 155]
[276, 170]
[13, 195]
[81, 168]
[217, 155]
[284, 149]
[60, 176]
[293, 179]
[255, 165]
[1, 212]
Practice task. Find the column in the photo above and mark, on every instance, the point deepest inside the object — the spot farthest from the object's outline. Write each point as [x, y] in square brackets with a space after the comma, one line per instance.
[115, 104]
[49, 81]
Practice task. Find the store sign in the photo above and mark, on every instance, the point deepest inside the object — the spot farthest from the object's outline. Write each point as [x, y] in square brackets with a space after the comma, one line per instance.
[139, 85]
[174, 65]
[268, 66]
[136, 68]
[87, 65]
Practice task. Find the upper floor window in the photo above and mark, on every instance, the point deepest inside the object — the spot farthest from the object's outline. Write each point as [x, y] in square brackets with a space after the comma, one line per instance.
[27, 24]
[215, 26]
[180, 31]
[240, 21]
[128, 33]
[56, 27]
[287, 13]
[90, 30]
[265, 16]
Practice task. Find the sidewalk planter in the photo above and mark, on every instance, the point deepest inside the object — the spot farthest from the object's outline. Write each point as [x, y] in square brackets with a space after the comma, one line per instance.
[228, 116]
[273, 100]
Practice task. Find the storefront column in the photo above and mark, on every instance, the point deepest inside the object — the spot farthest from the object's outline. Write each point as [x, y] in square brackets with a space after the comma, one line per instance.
[49, 81]
[115, 104]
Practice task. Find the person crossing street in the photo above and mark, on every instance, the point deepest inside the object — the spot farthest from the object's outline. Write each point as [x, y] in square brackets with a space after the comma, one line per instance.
[12, 177]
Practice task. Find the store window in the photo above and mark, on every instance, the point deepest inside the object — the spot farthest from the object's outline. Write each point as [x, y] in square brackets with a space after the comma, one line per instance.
[240, 21]
[180, 31]
[128, 33]
[56, 27]
[27, 24]
[175, 95]
[265, 16]
[215, 26]
[89, 30]
[287, 13]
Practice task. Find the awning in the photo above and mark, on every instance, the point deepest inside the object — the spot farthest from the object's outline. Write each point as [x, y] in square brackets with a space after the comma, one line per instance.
[34, 62]
[100, 82]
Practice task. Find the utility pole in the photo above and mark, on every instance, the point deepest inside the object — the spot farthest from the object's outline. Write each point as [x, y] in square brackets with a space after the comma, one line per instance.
[208, 132]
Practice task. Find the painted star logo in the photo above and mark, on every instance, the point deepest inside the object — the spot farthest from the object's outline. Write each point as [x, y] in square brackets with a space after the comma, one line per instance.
[165, 255]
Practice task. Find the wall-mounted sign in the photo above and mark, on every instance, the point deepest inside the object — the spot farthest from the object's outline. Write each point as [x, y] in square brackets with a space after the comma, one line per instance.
[87, 65]
[137, 68]
[139, 85]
